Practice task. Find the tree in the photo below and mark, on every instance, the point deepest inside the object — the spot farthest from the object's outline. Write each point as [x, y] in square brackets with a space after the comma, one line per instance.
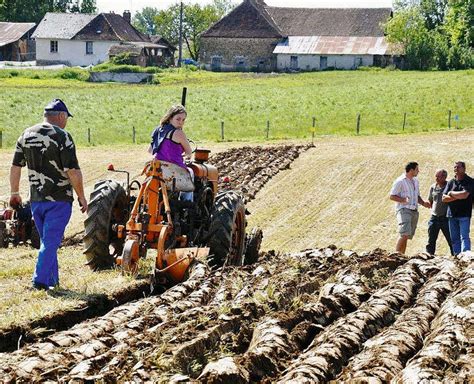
[144, 20]
[408, 31]
[434, 33]
[433, 11]
[196, 20]
[167, 24]
[33, 11]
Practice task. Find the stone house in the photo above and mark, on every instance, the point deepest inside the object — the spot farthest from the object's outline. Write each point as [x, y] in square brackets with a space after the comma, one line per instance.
[258, 37]
[15, 41]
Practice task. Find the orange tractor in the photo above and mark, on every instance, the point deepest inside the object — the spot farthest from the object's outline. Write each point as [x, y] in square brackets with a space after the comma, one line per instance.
[124, 221]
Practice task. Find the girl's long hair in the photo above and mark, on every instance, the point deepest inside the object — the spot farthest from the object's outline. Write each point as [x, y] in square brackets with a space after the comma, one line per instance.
[173, 111]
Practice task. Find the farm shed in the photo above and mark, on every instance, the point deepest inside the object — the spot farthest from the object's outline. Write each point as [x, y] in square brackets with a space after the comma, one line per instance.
[143, 54]
[255, 36]
[82, 39]
[15, 41]
[323, 52]
[168, 51]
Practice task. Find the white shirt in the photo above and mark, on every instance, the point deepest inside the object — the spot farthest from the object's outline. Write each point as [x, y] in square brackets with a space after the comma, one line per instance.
[404, 187]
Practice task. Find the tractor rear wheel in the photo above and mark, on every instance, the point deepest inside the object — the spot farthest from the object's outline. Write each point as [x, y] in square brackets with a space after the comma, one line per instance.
[108, 206]
[227, 227]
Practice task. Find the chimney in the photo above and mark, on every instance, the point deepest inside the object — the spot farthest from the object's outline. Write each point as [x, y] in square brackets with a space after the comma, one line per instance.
[127, 16]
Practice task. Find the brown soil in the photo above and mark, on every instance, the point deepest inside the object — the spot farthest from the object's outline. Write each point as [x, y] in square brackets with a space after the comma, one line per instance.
[311, 316]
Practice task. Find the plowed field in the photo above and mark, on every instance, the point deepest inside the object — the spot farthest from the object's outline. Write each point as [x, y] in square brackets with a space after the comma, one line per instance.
[310, 316]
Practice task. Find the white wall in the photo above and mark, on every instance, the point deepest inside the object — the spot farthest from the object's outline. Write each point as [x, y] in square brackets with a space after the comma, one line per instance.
[72, 52]
[311, 62]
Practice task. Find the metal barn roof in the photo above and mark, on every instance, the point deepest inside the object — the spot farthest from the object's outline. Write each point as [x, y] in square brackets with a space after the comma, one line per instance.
[333, 45]
[11, 32]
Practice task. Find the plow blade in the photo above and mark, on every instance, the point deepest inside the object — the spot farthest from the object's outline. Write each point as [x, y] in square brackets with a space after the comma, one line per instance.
[175, 262]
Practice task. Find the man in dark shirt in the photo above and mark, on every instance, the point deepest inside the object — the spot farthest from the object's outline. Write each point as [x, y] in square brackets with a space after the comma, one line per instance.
[438, 220]
[53, 172]
[458, 195]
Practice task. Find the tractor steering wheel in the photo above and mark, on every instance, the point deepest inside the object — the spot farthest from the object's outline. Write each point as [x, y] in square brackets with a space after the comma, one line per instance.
[194, 144]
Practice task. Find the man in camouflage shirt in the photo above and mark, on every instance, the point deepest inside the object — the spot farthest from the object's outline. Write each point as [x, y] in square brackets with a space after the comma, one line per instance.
[53, 172]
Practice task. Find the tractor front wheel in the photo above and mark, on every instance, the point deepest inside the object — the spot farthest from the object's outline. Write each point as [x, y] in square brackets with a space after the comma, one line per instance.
[108, 206]
[227, 229]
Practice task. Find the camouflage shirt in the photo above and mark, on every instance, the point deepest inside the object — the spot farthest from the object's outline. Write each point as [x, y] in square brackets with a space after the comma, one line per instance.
[49, 153]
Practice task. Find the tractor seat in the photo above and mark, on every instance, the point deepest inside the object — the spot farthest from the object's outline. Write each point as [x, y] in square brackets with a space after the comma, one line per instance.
[183, 181]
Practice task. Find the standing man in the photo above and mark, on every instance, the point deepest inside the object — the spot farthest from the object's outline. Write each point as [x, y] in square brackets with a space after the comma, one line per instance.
[406, 193]
[53, 171]
[438, 220]
[458, 195]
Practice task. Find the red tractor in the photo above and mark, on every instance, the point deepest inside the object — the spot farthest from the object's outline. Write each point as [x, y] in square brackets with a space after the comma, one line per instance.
[17, 226]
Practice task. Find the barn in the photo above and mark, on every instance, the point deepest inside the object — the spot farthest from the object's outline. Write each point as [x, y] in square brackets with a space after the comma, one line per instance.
[258, 37]
[15, 41]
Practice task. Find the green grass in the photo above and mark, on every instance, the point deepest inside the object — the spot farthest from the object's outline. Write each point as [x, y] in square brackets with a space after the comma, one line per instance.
[244, 102]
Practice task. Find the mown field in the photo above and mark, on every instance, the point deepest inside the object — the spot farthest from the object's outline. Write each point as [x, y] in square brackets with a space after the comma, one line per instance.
[245, 102]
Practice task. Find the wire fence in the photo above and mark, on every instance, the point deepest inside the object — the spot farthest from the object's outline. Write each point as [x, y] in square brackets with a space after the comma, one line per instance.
[261, 129]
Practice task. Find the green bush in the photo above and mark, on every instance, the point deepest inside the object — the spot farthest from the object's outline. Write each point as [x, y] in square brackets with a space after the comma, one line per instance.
[73, 74]
[14, 73]
[124, 68]
[124, 58]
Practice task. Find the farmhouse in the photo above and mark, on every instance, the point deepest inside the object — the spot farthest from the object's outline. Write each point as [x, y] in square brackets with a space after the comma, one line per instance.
[255, 36]
[82, 39]
[15, 41]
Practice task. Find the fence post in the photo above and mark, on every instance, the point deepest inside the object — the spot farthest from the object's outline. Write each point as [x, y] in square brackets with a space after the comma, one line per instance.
[404, 120]
[449, 119]
[133, 134]
[89, 135]
[358, 123]
[268, 128]
[222, 130]
[314, 129]
[1, 139]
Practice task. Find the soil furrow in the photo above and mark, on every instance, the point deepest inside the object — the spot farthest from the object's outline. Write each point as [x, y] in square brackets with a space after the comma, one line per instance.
[447, 351]
[273, 341]
[122, 323]
[385, 355]
[331, 349]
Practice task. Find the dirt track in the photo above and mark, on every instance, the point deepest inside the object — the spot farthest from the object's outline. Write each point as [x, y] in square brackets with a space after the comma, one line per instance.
[309, 317]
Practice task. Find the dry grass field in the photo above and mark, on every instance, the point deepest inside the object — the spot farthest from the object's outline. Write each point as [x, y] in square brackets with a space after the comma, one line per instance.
[337, 193]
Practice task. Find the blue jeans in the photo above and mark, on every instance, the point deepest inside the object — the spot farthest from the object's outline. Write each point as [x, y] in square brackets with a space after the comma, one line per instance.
[51, 218]
[459, 230]
[436, 224]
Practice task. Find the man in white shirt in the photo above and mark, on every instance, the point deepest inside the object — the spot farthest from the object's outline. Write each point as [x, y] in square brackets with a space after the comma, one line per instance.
[406, 193]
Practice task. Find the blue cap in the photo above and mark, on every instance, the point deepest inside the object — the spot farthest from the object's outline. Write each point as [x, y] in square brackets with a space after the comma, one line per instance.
[58, 106]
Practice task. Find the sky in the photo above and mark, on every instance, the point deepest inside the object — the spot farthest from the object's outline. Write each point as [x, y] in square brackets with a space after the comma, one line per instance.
[118, 6]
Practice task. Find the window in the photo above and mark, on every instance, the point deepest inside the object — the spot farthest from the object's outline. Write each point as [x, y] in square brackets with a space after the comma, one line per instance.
[240, 63]
[89, 47]
[53, 46]
[216, 62]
